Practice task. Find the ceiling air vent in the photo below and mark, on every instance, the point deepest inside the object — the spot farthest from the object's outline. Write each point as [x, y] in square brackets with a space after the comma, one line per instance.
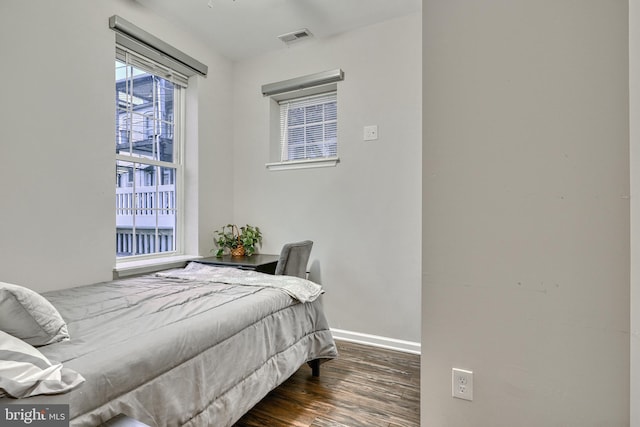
[294, 36]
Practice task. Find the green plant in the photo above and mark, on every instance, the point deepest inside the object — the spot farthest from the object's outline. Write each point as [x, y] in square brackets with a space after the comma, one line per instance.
[238, 241]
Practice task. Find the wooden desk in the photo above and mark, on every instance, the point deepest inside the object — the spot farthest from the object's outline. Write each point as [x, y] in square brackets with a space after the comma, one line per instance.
[263, 263]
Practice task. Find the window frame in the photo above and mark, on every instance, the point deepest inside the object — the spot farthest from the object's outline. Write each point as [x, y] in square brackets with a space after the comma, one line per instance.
[291, 90]
[305, 103]
[178, 134]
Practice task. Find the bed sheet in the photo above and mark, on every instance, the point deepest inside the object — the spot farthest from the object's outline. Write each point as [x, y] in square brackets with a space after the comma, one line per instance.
[173, 352]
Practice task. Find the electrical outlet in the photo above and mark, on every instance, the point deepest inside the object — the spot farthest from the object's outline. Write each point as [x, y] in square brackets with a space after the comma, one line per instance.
[462, 384]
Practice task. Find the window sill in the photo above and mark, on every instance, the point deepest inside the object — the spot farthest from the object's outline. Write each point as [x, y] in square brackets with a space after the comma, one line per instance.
[304, 164]
[149, 265]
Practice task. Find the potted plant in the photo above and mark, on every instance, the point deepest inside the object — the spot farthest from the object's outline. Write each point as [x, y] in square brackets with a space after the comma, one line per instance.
[240, 242]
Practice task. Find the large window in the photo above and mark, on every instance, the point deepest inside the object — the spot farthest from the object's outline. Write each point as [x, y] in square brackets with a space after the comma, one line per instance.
[148, 161]
[309, 127]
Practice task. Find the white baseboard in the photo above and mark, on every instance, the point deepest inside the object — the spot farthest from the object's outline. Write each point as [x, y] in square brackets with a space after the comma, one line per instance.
[377, 341]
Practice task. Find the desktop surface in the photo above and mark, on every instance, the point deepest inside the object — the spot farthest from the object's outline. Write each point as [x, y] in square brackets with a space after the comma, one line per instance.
[265, 263]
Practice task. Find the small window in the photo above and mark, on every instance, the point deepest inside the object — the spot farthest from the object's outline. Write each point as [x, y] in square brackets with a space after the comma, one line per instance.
[309, 127]
[304, 121]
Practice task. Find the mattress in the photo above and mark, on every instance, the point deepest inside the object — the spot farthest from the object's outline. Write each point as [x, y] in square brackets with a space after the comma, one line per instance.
[174, 351]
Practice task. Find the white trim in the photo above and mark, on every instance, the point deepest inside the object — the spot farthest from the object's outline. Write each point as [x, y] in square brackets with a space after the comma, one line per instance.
[377, 341]
[303, 164]
[149, 265]
[179, 128]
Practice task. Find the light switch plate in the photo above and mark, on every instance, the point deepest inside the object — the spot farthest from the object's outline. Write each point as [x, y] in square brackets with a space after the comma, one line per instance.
[370, 133]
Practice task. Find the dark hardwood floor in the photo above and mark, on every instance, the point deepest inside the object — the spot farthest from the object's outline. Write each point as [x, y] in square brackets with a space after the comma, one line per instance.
[364, 386]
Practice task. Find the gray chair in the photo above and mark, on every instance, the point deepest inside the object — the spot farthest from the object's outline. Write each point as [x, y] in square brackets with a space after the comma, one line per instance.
[293, 259]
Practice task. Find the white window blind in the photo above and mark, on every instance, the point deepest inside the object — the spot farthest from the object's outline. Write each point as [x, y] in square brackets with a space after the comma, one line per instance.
[309, 127]
[129, 57]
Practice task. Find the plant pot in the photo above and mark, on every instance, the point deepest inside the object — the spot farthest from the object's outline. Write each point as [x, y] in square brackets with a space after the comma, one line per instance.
[238, 251]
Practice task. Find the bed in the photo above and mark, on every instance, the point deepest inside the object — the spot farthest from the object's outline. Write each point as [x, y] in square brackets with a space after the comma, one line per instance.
[198, 346]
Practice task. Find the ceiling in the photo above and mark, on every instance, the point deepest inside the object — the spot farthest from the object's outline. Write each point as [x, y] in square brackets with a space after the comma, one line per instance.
[240, 29]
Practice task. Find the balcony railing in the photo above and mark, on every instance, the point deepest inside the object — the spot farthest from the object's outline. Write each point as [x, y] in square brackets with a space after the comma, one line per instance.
[151, 206]
[153, 211]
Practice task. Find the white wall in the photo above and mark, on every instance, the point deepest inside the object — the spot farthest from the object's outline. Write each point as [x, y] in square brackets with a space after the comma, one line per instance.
[56, 168]
[364, 214]
[57, 157]
[526, 212]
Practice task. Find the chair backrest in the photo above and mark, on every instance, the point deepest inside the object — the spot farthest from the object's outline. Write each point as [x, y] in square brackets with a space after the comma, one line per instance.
[293, 259]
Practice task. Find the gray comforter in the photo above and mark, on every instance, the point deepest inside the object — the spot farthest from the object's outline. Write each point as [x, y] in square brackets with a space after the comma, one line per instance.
[172, 351]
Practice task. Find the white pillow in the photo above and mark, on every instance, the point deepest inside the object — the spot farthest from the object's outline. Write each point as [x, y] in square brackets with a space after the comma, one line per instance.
[24, 371]
[29, 316]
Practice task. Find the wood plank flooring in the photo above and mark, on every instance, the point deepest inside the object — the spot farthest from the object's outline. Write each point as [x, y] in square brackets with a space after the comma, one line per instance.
[364, 386]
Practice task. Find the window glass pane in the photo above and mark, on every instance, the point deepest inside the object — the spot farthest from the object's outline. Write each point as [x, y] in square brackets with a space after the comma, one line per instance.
[145, 208]
[166, 205]
[331, 132]
[314, 151]
[331, 149]
[296, 152]
[122, 131]
[124, 208]
[313, 114]
[330, 111]
[296, 116]
[314, 134]
[145, 114]
[296, 135]
[139, 144]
